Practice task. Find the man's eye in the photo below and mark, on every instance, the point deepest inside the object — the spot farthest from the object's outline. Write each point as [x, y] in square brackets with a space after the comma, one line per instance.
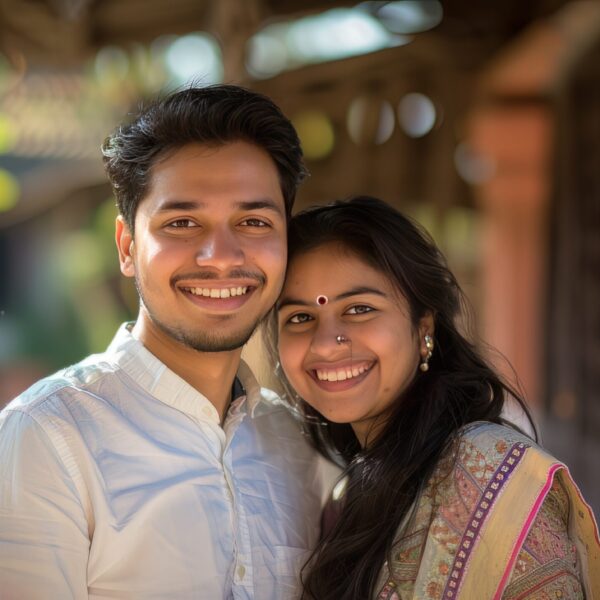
[182, 223]
[299, 318]
[254, 223]
[359, 309]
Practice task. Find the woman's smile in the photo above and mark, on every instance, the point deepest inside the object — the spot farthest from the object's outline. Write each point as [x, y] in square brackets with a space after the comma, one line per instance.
[342, 372]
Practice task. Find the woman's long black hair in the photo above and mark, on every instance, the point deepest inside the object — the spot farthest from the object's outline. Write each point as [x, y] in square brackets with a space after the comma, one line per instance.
[385, 477]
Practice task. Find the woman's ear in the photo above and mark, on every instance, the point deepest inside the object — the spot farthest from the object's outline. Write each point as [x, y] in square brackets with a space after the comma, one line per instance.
[426, 329]
[426, 325]
[124, 240]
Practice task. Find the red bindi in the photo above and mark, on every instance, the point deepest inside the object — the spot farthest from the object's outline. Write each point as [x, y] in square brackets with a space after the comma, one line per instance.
[321, 300]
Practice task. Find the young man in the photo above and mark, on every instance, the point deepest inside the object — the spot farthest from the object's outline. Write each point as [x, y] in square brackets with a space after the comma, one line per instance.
[160, 469]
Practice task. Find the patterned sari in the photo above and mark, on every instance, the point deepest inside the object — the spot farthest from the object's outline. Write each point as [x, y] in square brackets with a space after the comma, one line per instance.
[501, 520]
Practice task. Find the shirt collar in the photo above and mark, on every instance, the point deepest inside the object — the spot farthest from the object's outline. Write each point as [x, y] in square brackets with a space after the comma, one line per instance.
[165, 385]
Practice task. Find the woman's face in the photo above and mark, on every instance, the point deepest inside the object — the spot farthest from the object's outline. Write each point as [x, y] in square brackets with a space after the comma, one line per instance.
[331, 292]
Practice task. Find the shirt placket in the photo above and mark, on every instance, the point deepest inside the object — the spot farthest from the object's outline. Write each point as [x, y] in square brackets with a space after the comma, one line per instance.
[242, 569]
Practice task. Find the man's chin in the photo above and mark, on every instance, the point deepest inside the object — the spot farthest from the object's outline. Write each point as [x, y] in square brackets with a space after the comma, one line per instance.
[203, 341]
[216, 345]
[224, 334]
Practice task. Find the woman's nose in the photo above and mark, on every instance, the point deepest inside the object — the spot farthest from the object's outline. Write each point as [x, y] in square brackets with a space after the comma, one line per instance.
[327, 339]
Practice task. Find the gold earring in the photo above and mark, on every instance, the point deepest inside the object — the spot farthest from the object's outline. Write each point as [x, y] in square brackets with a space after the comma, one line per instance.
[424, 366]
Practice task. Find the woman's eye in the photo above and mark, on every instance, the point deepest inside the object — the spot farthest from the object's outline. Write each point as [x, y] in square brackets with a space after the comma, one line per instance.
[359, 309]
[299, 318]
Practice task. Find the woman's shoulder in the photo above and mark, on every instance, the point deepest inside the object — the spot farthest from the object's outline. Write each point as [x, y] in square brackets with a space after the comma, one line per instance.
[484, 433]
[492, 444]
[483, 455]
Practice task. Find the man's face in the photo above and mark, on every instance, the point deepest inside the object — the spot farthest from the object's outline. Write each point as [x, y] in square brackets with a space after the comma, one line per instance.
[209, 250]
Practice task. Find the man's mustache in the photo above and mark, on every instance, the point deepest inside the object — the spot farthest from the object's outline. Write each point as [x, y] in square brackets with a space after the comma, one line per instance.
[260, 278]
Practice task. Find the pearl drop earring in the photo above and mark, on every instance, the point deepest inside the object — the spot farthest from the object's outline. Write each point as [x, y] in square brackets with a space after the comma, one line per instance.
[424, 366]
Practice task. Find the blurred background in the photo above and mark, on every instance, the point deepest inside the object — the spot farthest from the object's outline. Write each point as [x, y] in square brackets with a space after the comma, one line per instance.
[480, 119]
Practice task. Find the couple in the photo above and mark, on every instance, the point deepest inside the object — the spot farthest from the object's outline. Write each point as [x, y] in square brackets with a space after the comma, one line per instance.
[159, 468]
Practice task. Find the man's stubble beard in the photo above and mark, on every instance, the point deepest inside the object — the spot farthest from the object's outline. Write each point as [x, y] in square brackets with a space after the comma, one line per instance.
[202, 341]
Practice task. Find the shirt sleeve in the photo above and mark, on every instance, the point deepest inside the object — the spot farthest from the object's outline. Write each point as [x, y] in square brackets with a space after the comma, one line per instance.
[44, 540]
[547, 565]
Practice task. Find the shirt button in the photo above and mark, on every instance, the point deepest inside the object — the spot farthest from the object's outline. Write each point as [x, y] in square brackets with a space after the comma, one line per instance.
[241, 571]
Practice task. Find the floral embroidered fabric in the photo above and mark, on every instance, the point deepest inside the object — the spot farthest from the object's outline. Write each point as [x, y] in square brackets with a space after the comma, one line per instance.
[432, 555]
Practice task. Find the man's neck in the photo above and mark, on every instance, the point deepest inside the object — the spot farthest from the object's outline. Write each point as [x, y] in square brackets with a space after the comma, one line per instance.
[211, 373]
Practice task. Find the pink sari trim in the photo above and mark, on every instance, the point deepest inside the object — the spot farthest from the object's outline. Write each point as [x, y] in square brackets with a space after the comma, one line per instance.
[525, 530]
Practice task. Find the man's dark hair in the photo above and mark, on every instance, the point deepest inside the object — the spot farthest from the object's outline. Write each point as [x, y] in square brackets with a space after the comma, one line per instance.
[213, 115]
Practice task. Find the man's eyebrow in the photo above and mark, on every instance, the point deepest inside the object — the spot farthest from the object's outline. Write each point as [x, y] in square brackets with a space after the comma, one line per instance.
[261, 204]
[355, 291]
[170, 205]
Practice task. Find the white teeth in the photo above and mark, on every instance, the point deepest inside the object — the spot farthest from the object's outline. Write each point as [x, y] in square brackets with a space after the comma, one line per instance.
[340, 374]
[218, 292]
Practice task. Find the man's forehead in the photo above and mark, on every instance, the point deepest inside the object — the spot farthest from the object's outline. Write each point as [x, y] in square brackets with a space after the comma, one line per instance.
[238, 175]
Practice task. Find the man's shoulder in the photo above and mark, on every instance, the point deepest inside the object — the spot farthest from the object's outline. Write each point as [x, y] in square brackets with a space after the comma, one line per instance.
[308, 469]
[46, 394]
[275, 419]
[272, 399]
[273, 405]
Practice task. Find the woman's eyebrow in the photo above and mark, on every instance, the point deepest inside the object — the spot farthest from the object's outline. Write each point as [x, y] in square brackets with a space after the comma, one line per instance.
[355, 291]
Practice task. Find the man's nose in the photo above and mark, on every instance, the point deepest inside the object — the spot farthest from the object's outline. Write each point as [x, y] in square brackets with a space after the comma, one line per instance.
[220, 249]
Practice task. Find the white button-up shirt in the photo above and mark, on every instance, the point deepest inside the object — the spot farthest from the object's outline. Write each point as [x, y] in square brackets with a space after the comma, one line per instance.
[117, 481]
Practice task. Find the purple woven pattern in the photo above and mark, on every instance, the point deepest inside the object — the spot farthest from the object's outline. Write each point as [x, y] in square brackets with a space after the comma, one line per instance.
[478, 517]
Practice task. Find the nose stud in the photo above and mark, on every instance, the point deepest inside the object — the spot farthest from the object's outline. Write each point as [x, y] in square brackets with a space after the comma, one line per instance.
[341, 339]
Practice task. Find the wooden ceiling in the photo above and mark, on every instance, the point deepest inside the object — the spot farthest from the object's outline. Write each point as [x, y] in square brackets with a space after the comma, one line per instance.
[443, 63]
[65, 32]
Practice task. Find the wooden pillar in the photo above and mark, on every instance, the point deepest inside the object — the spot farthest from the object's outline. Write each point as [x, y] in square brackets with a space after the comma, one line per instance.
[516, 140]
[234, 22]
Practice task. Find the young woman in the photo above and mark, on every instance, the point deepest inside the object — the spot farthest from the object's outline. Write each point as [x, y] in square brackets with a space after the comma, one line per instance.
[443, 497]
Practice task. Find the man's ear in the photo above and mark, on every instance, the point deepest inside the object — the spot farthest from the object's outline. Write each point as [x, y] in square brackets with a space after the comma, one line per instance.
[124, 239]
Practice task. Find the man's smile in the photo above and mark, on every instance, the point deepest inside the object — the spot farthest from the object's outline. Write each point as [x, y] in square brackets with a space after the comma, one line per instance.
[208, 292]
[227, 297]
